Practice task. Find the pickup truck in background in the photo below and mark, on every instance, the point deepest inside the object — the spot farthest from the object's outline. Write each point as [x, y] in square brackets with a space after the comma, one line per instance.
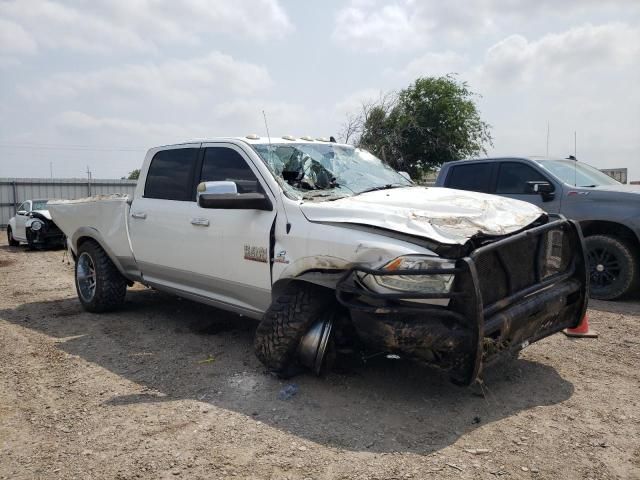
[332, 251]
[608, 211]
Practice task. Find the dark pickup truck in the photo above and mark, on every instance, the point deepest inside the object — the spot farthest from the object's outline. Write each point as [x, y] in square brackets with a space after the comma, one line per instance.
[608, 211]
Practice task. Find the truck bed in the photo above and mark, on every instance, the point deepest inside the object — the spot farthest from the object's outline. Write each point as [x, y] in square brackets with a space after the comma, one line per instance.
[104, 216]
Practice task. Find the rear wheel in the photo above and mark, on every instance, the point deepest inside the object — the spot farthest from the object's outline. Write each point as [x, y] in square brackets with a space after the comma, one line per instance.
[100, 286]
[12, 241]
[612, 267]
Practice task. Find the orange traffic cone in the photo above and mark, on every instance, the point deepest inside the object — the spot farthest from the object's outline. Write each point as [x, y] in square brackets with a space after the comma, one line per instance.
[582, 330]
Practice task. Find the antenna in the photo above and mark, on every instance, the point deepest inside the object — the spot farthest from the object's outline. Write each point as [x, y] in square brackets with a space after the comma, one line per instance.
[266, 125]
[547, 138]
[575, 144]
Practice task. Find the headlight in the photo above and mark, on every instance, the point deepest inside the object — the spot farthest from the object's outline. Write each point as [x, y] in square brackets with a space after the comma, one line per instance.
[36, 225]
[435, 283]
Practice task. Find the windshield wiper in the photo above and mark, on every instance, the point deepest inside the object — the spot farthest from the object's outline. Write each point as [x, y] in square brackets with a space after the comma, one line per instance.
[587, 186]
[382, 187]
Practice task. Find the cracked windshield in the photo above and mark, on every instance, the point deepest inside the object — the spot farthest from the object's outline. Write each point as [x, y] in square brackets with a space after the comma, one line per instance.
[327, 171]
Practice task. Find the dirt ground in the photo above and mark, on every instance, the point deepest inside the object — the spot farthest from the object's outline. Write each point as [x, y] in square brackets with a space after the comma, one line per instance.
[166, 388]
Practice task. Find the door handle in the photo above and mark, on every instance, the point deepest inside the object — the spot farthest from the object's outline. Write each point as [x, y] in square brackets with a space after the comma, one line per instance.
[140, 215]
[201, 222]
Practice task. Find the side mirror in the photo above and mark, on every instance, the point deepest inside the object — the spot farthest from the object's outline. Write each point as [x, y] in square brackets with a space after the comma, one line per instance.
[545, 189]
[224, 195]
[21, 212]
[406, 175]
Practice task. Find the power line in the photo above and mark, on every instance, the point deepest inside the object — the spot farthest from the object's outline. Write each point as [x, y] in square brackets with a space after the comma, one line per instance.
[53, 146]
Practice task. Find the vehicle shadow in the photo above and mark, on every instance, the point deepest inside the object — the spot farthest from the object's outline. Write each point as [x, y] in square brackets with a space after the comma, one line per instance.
[178, 349]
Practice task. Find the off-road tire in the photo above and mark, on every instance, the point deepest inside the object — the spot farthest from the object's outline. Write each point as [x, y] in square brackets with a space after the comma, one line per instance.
[12, 241]
[285, 322]
[625, 278]
[111, 286]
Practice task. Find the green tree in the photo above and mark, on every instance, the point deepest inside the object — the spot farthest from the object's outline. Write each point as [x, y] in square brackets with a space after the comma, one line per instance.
[434, 120]
[134, 174]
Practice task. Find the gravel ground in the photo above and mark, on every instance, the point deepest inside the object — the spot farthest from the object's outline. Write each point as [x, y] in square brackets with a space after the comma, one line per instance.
[166, 388]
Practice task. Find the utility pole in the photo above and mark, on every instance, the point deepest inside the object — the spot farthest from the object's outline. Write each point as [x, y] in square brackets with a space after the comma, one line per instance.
[88, 180]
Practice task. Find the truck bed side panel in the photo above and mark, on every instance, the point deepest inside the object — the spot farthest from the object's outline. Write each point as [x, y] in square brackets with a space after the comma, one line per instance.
[102, 218]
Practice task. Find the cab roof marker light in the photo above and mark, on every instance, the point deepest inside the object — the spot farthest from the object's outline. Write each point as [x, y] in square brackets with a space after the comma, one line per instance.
[307, 138]
[289, 137]
[253, 136]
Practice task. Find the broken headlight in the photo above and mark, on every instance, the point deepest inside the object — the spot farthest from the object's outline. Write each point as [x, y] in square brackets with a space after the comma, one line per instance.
[36, 225]
[432, 283]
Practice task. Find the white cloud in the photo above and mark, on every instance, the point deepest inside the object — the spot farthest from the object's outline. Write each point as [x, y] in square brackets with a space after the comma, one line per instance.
[431, 64]
[390, 27]
[180, 81]
[353, 102]
[15, 39]
[76, 122]
[103, 26]
[559, 56]
[411, 24]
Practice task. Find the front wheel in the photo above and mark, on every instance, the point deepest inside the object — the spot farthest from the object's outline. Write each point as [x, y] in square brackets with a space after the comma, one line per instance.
[100, 286]
[612, 267]
[289, 318]
[12, 241]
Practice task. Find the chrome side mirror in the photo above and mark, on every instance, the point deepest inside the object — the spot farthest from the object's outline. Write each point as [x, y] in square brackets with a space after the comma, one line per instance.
[224, 195]
[217, 188]
[21, 212]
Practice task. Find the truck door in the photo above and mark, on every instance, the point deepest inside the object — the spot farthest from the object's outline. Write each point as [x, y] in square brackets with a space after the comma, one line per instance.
[244, 251]
[162, 234]
[513, 180]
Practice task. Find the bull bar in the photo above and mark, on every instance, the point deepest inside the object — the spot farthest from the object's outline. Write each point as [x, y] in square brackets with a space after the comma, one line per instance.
[523, 313]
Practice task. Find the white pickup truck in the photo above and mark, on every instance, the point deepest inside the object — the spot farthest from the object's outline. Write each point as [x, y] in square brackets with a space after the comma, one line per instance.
[331, 250]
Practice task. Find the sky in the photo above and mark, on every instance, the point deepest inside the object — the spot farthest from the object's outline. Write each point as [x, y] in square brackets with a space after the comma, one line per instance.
[94, 84]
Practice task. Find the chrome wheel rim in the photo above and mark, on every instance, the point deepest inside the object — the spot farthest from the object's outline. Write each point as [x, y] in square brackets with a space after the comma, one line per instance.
[86, 277]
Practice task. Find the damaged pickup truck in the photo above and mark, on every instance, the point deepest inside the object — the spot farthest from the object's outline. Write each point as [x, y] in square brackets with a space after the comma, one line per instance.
[331, 250]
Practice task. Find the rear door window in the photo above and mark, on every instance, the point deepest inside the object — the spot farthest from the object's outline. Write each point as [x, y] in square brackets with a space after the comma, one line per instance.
[226, 164]
[474, 176]
[513, 178]
[170, 175]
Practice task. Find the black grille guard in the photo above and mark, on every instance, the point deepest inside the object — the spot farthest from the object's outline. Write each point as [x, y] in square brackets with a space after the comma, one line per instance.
[466, 299]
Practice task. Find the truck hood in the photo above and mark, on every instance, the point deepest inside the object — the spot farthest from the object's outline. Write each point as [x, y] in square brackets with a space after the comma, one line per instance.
[443, 215]
[613, 188]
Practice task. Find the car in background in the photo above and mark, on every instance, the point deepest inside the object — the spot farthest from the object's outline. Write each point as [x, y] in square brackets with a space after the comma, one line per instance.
[32, 224]
[607, 210]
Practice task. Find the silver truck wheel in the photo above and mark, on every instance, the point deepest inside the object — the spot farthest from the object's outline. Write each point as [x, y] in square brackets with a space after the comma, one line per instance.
[100, 286]
[86, 277]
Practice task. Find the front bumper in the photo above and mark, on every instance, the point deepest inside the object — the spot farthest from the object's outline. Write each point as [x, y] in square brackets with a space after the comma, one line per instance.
[48, 235]
[506, 295]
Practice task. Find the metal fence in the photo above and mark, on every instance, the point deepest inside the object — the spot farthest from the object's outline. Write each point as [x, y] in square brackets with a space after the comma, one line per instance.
[14, 191]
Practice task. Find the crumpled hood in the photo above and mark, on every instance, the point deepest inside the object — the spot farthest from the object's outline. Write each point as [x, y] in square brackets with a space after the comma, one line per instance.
[441, 214]
[44, 213]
